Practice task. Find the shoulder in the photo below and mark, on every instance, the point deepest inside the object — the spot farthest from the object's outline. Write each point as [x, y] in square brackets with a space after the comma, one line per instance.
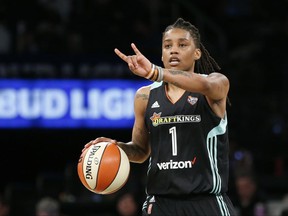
[145, 90]
[218, 93]
[142, 94]
[141, 100]
[218, 76]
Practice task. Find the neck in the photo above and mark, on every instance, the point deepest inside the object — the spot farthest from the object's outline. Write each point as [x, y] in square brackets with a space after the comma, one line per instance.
[174, 88]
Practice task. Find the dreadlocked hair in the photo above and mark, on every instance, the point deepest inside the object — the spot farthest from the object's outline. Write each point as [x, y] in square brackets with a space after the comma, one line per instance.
[206, 64]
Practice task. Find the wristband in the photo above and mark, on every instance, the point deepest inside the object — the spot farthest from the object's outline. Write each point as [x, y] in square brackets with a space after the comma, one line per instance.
[160, 74]
[151, 73]
[156, 74]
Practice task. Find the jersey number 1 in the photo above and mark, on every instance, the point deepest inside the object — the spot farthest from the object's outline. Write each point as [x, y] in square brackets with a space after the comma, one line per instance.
[173, 133]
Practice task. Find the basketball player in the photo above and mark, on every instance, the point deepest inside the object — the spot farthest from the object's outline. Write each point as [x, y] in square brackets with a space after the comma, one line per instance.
[181, 126]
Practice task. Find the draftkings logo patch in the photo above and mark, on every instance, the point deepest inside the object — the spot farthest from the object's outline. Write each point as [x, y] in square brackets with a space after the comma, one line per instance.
[158, 120]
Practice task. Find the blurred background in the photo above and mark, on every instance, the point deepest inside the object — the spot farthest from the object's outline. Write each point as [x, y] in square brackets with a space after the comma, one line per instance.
[65, 48]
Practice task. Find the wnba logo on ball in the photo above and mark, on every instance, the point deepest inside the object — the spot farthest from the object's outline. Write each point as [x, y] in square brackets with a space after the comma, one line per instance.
[96, 161]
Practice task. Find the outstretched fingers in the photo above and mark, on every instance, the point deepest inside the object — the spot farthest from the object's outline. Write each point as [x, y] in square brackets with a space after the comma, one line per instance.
[121, 55]
[135, 49]
[131, 60]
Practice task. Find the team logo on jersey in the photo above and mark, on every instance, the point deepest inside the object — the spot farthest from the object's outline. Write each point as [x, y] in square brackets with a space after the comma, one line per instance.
[192, 100]
[158, 120]
[155, 105]
[176, 164]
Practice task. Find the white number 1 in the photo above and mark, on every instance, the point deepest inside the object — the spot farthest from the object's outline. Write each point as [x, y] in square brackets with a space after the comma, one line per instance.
[173, 133]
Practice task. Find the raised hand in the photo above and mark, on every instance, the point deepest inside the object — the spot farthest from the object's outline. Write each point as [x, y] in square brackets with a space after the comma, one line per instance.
[137, 63]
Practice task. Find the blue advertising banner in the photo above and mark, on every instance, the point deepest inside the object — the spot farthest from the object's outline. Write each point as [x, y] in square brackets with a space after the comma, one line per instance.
[48, 103]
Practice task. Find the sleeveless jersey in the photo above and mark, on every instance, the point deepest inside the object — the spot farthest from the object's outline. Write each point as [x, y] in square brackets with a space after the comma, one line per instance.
[189, 145]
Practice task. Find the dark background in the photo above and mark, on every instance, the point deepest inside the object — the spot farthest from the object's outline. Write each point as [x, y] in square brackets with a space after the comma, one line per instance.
[249, 39]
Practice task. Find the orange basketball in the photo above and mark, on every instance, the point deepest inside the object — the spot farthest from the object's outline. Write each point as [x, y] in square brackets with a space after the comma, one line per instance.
[103, 168]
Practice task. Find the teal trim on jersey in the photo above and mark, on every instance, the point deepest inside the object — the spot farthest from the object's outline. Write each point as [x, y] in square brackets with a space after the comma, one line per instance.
[149, 165]
[222, 205]
[156, 85]
[148, 170]
[212, 152]
[205, 75]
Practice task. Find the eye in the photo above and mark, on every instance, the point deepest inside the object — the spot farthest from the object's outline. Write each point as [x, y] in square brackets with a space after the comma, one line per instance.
[182, 45]
[167, 46]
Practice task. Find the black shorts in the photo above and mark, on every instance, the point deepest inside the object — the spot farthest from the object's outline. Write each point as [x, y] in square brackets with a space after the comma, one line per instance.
[200, 205]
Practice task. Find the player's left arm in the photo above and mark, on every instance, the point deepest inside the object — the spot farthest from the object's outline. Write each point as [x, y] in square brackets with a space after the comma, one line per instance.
[214, 86]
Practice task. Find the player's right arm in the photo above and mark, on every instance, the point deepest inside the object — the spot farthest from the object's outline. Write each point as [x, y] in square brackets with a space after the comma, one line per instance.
[138, 150]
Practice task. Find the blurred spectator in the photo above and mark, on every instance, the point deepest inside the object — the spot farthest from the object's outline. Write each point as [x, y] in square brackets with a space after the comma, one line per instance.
[5, 38]
[250, 199]
[74, 42]
[4, 207]
[47, 206]
[243, 162]
[284, 211]
[127, 205]
[72, 185]
[26, 41]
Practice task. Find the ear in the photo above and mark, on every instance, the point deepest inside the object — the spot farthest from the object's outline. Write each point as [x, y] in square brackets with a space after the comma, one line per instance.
[197, 54]
[162, 58]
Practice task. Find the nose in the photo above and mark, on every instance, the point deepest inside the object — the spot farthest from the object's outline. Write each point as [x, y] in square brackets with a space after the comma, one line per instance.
[174, 49]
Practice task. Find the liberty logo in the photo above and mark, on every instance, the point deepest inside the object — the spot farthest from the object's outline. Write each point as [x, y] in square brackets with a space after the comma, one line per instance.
[192, 100]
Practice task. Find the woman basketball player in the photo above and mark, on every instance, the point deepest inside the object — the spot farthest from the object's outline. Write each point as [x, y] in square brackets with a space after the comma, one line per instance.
[181, 126]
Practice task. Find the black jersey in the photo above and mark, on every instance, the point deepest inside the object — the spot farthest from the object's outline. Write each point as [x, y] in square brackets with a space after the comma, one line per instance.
[189, 145]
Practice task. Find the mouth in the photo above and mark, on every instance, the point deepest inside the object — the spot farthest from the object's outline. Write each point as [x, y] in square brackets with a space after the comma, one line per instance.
[174, 61]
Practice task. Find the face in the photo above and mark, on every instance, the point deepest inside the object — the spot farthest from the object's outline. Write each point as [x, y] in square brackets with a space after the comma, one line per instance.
[245, 187]
[179, 51]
